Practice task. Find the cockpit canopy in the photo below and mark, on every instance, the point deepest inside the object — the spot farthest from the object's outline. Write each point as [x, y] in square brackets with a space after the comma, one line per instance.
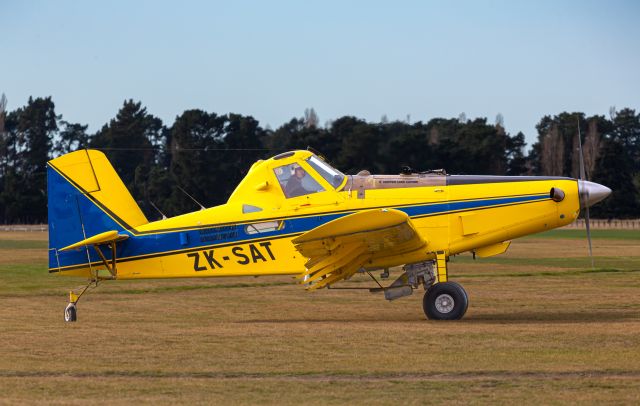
[286, 176]
[295, 181]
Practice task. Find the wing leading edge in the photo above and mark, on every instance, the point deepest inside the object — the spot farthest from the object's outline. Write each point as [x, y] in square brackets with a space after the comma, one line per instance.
[338, 249]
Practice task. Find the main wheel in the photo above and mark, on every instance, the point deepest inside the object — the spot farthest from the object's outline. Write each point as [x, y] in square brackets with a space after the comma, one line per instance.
[445, 301]
[70, 313]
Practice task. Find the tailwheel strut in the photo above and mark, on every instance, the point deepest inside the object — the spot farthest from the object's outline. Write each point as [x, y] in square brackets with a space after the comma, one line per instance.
[71, 311]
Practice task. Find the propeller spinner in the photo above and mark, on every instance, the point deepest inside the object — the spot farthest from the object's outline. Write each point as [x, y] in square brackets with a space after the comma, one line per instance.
[591, 193]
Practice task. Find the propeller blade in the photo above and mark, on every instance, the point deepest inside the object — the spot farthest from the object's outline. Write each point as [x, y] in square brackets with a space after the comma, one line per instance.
[583, 175]
[584, 197]
[586, 223]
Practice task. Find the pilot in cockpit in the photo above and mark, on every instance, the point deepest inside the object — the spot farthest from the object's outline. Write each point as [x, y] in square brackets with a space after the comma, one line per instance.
[294, 184]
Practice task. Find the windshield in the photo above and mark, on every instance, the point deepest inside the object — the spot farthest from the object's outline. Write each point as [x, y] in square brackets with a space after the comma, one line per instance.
[295, 182]
[333, 176]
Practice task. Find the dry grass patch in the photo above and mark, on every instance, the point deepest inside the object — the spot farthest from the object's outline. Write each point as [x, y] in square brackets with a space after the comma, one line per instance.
[540, 334]
[323, 390]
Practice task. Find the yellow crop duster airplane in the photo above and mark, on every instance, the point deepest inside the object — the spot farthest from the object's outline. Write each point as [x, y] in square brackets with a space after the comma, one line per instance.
[294, 214]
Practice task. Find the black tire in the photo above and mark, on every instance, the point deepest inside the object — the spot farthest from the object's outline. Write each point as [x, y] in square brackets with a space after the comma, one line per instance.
[437, 305]
[70, 313]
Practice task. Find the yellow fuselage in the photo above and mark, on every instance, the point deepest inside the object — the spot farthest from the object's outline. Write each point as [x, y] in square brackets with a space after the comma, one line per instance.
[453, 214]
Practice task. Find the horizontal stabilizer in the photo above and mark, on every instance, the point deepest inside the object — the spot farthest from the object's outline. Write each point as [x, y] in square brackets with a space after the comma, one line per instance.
[102, 238]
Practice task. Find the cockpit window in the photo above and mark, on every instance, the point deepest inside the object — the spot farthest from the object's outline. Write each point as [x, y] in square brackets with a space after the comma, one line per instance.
[295, 181]
[333, 176]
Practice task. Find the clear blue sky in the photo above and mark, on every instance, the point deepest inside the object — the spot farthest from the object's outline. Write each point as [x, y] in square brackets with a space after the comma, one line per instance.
[272, 59]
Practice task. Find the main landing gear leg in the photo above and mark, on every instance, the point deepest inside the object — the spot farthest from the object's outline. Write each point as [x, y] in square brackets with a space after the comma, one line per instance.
[444, 300]
[71, 311]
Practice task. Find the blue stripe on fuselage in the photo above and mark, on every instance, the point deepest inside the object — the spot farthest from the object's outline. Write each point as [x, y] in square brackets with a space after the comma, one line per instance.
[155, 244]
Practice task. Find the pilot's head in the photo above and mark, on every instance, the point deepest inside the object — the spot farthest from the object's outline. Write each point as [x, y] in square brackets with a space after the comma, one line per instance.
[299, 172]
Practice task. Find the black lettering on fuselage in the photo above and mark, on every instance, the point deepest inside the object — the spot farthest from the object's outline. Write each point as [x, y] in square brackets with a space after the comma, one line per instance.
[211, 260]
[256, 254]
[267, 246]
[237, 251]
[196, 262]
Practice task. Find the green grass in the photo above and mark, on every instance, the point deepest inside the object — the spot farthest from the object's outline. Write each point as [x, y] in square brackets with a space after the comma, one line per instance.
[34, 278]
[622, 263]
[23, 244]
[595, 234]
[559, 273]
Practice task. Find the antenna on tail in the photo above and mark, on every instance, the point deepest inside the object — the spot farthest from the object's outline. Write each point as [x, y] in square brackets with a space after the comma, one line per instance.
[164, 217]
[191, 197]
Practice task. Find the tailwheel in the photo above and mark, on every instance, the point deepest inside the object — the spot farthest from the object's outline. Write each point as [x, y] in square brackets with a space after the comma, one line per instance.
[70, 313]
[445, 301]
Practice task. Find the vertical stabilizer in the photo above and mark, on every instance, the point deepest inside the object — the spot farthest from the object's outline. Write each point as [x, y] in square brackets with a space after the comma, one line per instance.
[86, 197]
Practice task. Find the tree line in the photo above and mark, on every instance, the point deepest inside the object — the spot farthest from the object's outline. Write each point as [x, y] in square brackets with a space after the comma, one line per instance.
[206, 154]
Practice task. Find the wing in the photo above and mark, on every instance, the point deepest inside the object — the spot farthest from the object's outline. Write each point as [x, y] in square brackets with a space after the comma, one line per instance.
[338, 249]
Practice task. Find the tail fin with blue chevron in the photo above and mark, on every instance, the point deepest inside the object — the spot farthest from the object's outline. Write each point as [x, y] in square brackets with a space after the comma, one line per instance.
[86, 198]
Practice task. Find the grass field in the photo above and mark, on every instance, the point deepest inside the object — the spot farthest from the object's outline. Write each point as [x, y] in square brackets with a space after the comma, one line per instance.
[542, 327]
